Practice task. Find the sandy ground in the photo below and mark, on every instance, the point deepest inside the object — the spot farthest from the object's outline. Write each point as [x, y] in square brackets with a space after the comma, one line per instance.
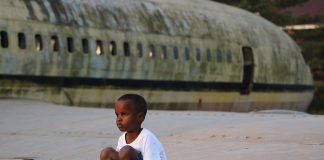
[37, 130]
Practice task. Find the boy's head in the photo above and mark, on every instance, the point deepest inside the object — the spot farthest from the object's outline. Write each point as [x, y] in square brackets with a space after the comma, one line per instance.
[137, 100]
[130, 110]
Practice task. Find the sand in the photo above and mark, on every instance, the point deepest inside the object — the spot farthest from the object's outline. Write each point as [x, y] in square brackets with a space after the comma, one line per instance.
[38, 130]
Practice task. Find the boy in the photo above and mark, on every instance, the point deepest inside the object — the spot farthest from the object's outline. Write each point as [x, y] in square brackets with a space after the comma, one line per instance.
[136, 143]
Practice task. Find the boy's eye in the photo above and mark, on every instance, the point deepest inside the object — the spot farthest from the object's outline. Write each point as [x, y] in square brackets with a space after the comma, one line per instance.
[121, 114]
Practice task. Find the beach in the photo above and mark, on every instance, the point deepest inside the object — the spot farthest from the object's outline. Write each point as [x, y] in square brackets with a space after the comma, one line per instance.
[39, 130]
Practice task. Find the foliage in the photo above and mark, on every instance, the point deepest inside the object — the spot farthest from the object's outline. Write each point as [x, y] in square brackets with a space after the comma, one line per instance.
[288, 3]
[316, 107]
[278, 3]
[269, 9]
[312, 45]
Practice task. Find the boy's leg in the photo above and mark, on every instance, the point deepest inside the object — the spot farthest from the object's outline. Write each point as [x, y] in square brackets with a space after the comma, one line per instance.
[128, 153]
[109, 153]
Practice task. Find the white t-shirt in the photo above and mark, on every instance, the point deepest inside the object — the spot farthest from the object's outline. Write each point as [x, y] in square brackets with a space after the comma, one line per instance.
[146, 143]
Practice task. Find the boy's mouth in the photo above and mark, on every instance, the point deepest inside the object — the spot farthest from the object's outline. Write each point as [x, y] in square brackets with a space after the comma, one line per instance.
[119, 125]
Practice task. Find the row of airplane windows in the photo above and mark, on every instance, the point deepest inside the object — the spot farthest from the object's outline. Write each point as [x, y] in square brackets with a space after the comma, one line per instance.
[112, 48]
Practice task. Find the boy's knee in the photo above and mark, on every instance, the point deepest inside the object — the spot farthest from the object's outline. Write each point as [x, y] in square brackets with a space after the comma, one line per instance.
[109, 153]
[128, 152]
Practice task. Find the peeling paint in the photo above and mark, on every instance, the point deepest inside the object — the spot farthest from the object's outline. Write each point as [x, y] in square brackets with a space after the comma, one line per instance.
[51, 15]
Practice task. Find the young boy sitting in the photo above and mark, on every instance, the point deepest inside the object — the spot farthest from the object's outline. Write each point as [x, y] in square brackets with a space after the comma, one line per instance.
[136, 143]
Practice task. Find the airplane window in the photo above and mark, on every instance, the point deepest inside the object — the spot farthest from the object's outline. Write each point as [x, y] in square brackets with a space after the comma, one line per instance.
[176, 53]
[219, 55]
[112, 48]
[164, 52]
[139, 48]
[197, 54]
[151, 51]
[208, 55]
[229, 56]
[187, 53]
[126, 49]
[21, 40]
[55, 43]
[70, 44]
[4, 39]
[38, 42]
[85, 45]
[99, 49]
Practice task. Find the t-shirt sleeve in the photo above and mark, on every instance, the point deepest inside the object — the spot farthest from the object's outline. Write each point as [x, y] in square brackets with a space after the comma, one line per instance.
[153, 149]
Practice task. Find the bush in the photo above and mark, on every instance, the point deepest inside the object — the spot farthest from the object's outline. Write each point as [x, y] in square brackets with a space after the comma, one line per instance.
[317, 105]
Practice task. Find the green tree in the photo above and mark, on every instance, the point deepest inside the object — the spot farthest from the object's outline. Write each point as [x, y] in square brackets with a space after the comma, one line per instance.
[288, 3]
[268, 9]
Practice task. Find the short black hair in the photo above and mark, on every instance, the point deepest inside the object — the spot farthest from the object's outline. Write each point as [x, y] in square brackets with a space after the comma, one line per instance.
[139, 101]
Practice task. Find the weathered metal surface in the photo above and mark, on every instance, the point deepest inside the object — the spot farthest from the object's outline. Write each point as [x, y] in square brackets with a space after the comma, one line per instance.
[183, 23]
[174, 23]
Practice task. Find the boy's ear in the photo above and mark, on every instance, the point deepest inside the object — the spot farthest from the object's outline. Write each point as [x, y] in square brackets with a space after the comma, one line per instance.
[140, 117]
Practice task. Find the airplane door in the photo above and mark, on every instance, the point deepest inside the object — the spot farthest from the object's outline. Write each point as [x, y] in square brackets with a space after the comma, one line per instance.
[248, 70]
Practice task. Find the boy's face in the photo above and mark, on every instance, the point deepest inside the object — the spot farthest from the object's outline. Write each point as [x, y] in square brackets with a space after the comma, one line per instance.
[127, 117]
